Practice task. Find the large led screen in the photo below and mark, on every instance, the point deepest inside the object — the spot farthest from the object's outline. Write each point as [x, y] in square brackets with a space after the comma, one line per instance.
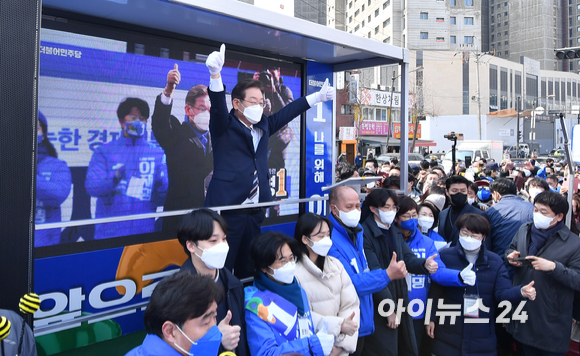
[106, 139]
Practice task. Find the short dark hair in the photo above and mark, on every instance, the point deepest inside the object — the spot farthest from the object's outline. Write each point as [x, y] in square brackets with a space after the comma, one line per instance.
[198, 226]
[538, 182]
[179, 298]
[424, 164]
[433, 163]
[198, 91]
[456, 180]
[394, 160]
[378, 197]
[437, 168]
[373, 161]
[473, 187]
[394, 181]
[474, 223]
[555, 201]
[405, 204]
[346, 171]
[239, 91]
[128, 104]
[265, 247]
[503, 186]
[434, 211]
[552, 177]
[306, 225]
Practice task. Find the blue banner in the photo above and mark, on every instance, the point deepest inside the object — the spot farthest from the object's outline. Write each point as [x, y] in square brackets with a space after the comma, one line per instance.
[319, 143]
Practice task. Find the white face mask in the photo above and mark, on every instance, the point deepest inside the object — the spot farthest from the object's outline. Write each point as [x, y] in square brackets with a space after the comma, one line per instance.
[469, 243]
[351, 218]
[321, 247]
[201, 120]
[253, 113]
[386, 217]
[371, 185]
[534, 192]
[542, 222]
[215, 257]
[285, 274]
[470, 200]
[425, 222]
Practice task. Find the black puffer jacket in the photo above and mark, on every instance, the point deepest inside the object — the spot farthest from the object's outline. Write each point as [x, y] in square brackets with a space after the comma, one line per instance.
[549, 321]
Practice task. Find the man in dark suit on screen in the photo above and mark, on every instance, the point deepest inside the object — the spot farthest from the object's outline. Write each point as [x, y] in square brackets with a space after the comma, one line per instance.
[240, 152]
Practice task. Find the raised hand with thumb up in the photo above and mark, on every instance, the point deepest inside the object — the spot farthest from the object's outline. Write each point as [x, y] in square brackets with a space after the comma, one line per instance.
[396, 270]
[349, 326]
[467, 275]
[326, 92]
[231, 333]
[430, 264]
[215, 61]
[529, 291]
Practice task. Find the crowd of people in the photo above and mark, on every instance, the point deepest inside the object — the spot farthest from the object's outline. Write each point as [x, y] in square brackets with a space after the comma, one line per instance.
[477, 263]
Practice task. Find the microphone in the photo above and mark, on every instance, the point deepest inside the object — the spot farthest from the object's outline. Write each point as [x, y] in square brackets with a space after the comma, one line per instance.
[4, 331]
[29, 304]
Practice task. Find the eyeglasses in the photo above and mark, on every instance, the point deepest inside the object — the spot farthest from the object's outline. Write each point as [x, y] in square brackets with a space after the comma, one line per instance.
[409, 216]
[282, 261]
[390, 208]
[132, 118]
[260, 104]
[199, 108]
[467, 233]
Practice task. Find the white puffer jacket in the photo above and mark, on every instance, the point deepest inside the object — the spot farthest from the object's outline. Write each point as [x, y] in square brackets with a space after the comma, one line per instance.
[332, 298]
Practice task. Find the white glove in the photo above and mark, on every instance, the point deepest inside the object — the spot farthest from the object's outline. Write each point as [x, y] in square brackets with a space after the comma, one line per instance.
[326, 340]
[215, 61]
[468, 275]
[326, 93]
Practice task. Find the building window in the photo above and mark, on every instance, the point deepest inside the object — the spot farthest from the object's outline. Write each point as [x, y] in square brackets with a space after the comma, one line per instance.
[506, 43]
[499, 54]
[363, 8]
[492, 28]
[578, 40]
[369, 18]
[440, 39]
[350, 19]
[507, 53]
[356, 13]
[424, 16]
[468, 39]
[577, 29]
[369, 2]
[356, 28]
[387, 22]
[452, 2]
[424, 35]
[493, 37]
[468, 2]
[387, 40]
[369, 35]
[386, 4]
[350, 5]
[577, 18]
[377, 30]
[453, 20]
[345, 109]
[499, 35]
[440, 19]
[468, 21]
[506, 33]
[453, 39]
[376, 12]
[578, 7]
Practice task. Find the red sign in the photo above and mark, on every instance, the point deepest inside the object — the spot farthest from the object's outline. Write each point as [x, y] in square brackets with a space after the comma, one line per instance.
[397, 129]
[376, 128]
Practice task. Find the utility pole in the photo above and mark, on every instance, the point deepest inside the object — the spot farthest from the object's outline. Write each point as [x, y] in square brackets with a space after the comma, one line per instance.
[518, 127]
[391, 110]
[477, 56]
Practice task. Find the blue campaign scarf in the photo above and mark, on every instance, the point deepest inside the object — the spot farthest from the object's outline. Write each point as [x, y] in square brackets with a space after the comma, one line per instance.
[291, 292]
[539, 238]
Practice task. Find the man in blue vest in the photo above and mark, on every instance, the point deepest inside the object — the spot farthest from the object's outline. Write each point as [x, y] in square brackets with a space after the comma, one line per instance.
[240, 153]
